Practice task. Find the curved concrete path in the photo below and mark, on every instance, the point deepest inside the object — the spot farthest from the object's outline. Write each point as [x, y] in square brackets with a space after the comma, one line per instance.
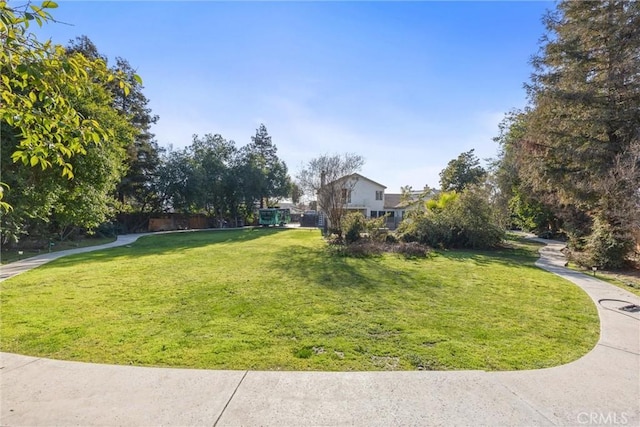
[14, 268]
[602, 388]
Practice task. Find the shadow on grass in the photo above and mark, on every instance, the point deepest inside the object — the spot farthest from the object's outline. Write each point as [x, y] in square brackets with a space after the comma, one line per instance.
[169, 243]
[332, 271]
[518, 253]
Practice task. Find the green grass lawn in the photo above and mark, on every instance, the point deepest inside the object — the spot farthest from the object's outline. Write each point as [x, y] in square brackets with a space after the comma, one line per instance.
[278, 300]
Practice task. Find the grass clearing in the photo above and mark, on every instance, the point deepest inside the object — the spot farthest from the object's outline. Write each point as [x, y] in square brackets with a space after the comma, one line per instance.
[277, 300]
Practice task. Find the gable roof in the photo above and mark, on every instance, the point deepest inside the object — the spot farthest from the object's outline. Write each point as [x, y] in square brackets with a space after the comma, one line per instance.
[358, 176]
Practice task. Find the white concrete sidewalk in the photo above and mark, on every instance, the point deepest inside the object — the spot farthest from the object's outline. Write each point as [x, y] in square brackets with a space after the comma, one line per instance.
[601, 388]
[9, 270]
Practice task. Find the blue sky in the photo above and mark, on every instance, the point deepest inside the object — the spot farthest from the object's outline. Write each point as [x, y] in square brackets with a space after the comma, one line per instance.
[407, 85]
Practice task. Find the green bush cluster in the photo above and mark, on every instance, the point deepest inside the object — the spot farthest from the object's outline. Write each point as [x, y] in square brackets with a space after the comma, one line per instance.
[461, 220]
[356, 227]
[353, 225]
[607, 246]
[364, 237]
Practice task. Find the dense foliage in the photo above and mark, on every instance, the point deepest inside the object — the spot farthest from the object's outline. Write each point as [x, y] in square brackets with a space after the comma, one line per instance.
[462, 172]
[215, 177]
[455, 220]
[38, 101]
[62, 142]
[575, 151]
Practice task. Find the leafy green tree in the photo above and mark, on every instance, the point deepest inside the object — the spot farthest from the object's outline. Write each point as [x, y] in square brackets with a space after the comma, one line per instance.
[296, 193]
[530, 215]
[36, 95]
[211, 161]
[47, 203]
[526, 209]
[239, 203]
[582, 127]
[176, 182]
[210, 176]
[462, 172]
[62, 143]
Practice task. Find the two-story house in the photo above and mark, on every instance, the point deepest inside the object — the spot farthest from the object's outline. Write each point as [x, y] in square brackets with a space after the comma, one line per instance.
[361, 194]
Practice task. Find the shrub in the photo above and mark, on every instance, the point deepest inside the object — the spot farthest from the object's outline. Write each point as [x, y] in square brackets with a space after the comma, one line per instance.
[466, 221]
[606, 247]
[356, 227]
[377, 229]
[390, 238]
[368, 237]
[353, 225]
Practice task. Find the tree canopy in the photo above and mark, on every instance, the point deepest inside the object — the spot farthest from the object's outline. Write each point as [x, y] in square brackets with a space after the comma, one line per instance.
[63, 144]
[215, 177]
[77, 145]
[576, 147]
[462, 172]
[37, 97]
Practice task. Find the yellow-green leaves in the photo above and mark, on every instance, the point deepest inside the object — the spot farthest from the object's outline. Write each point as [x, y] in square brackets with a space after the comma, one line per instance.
[49, 5]
[38, 84]
[124, 87]
[4, 206]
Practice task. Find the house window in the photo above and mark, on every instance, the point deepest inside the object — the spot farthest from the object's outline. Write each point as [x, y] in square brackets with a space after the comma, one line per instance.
[381, 213]
[374, 214]
[379, 195]
[346, 196]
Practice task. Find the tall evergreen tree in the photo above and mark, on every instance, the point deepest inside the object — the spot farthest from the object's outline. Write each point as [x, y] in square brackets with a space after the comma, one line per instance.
[267, 174]
[584, 121]
[135, 188]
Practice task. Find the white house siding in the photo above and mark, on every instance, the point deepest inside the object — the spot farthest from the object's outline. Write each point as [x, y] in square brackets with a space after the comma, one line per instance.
[363, 195]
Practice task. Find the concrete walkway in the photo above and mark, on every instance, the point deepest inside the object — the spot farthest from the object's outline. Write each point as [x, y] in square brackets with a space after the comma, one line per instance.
[14, 268]
[602, 388]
